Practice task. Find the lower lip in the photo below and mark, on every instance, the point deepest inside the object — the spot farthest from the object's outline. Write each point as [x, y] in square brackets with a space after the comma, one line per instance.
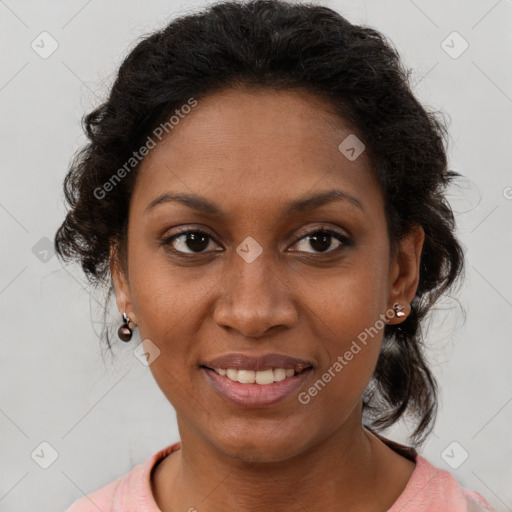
[255, 395]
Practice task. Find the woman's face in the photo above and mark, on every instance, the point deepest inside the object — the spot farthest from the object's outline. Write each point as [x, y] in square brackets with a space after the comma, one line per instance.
[256, 284]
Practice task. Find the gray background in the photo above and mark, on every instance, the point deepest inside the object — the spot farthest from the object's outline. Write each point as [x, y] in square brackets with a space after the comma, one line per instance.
[101, 416]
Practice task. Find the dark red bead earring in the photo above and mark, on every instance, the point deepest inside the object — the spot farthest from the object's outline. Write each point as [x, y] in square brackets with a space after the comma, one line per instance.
[125, 331]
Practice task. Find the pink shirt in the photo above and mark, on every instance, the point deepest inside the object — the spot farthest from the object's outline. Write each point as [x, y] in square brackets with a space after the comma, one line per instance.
[429, 490]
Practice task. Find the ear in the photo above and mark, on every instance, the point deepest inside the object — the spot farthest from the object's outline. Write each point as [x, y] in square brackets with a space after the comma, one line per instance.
[405, 271]
[121, 285]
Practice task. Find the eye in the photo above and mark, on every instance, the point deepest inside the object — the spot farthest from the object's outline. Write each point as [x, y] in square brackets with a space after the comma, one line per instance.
[197, 241]
[189, 241]
[321, 240]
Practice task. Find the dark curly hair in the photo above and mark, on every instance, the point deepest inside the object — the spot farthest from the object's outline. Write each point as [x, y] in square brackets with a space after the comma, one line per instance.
[280, 45]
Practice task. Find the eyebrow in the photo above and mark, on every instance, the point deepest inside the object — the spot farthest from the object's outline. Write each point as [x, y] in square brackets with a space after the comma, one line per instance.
[308, 202]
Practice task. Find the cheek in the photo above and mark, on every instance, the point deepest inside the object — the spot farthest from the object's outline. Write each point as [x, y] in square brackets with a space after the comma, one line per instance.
[353, 299]
[349, 312]
[163, 293]
[355, 343]
[351, 350]
[168, 301]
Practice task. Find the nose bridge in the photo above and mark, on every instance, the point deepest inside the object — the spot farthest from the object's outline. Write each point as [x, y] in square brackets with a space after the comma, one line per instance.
[253, 297]
[252, 272]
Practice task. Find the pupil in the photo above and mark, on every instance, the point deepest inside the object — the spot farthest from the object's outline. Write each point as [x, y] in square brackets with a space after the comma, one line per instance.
[322, 239]
[196, 241]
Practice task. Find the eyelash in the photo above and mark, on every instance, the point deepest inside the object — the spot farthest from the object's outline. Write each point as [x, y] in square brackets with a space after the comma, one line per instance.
[167, 242]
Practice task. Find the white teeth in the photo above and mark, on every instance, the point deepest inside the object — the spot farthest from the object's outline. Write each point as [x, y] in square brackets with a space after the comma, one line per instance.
[279, 374]
[246, 376]
[264, 377]
[258, 377]
[232, 374]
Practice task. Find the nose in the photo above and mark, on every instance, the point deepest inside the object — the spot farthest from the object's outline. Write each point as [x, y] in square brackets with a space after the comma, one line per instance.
[255, 298]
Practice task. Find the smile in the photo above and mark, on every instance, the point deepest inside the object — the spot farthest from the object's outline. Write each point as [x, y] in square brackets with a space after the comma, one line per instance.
[262, 377]
[256, 389]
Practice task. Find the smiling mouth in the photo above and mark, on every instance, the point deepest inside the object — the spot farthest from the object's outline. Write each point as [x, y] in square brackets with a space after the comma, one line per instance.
[259, 377]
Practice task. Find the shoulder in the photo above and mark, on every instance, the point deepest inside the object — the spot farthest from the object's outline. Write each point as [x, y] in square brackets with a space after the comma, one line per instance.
[433, 489]
[128, 493]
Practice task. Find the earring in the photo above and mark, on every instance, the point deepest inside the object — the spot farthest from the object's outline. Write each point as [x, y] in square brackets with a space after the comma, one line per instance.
[125, 331]
[398, 309]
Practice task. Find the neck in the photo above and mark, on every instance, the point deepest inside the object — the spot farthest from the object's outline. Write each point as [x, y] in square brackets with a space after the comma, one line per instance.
[336, 474]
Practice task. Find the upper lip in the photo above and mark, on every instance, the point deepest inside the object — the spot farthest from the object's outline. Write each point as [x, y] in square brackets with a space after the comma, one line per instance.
[255, 363]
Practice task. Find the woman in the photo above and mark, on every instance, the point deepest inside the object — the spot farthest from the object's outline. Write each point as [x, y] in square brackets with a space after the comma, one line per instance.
[267, 197]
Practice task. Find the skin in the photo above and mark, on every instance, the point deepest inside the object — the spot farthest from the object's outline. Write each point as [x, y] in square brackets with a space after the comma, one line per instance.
[250, 152]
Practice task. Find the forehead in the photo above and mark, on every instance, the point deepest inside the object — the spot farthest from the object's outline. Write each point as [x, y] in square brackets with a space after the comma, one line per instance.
[255, 148]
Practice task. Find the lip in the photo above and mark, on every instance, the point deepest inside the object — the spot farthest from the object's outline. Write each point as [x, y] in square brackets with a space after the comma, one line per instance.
[252, 396]
[241, 361]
